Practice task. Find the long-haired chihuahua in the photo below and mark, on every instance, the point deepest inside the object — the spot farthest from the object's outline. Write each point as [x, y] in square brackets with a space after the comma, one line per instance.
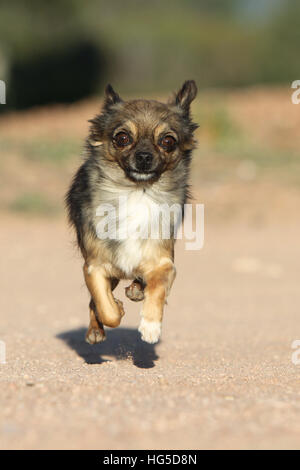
[138, 155]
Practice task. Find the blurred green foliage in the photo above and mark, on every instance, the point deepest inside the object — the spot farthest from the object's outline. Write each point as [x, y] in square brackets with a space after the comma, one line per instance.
[33, 203]
[148, 46]
[224, 147]
[56, 152]
[48, 151]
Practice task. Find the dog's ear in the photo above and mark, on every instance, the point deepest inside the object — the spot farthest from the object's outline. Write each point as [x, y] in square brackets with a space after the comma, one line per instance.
[111, 97]
[95, 137]
[185, 96]
[97, 124]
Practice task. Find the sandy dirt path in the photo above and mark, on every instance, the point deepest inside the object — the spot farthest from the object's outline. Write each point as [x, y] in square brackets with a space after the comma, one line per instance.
[222, 376]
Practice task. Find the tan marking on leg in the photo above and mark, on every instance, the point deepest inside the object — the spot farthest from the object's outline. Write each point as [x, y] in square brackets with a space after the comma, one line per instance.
[109, 309]
[159, 281]
[95, 333]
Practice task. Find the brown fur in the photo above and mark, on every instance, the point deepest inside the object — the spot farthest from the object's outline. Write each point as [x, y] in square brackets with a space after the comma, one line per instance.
[164, 134]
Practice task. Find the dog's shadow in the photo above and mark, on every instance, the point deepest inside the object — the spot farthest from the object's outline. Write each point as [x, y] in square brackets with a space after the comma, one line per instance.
[121, 343]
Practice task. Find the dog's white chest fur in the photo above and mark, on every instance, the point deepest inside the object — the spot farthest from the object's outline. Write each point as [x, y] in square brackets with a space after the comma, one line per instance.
[129, 256]
[140, 219]
[134, 222]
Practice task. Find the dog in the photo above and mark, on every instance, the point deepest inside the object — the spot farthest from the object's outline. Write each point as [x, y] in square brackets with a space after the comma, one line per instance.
[140, 151]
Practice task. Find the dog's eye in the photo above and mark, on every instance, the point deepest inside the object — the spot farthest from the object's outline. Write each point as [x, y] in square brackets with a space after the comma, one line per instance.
[122, 139]
[168, 143]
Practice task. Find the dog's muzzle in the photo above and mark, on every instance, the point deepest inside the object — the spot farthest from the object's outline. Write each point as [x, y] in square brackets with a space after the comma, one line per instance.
[143, 161]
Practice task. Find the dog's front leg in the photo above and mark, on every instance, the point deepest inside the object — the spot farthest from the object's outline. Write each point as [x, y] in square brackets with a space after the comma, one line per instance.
[159, 280]
[95, 333]
[109, 309]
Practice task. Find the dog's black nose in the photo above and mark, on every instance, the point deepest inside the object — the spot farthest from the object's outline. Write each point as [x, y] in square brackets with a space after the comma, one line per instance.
[143, 160]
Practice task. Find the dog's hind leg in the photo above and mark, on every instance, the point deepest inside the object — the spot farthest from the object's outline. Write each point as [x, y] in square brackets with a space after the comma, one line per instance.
[109, 310]
[135, 291]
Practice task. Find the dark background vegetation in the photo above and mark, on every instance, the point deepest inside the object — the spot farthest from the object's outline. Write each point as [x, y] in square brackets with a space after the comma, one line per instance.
[64, 50]
[56, 57]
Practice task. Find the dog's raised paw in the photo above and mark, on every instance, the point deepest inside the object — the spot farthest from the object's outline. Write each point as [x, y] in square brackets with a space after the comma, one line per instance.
[94, 336]
[150, 331]
[135, 292]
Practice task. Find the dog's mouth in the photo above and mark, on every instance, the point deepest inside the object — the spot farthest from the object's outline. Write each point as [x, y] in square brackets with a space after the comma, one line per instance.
[140, 176]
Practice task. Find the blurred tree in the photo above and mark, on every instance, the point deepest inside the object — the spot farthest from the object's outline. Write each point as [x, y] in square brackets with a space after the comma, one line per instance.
[144, 46]
[50, 56]
[279, 54]
[59, 75]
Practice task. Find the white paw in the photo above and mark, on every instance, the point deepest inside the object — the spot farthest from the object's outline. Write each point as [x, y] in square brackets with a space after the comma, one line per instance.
[150, 331]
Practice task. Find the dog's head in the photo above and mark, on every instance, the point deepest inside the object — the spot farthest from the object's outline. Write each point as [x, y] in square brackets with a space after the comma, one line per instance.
[144, 137]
